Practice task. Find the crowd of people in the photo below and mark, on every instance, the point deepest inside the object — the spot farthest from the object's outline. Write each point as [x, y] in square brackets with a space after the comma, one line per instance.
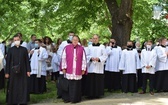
[81, 67]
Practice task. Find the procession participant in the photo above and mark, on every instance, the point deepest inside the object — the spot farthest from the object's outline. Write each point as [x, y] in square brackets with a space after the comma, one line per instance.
[129, 64]
[95, 78]
[112, 72]
[38, 67]
[73, 65]
[2, 74]
[148, 63]
[139, 71]
[162, 66]
[22, 43]
[59, 52]
[55, 63]
[17, 71]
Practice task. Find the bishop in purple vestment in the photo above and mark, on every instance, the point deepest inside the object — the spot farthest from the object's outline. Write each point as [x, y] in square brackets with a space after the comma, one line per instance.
[73, 65]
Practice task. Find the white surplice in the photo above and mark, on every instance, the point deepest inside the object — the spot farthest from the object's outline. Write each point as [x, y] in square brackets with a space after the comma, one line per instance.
[1, 60]
[148, 58]
[162, 59]
[55, 62]
[2, 47]
[96, 52]
[60, 50]
[129, 61]
[38, 62]
[112, 62]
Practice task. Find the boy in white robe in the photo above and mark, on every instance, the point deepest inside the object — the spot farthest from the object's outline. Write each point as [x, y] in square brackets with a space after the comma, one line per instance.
[112, 72]
[162, 66]
[129, 63]
[38, 67]
[55, 63]
[148, 62]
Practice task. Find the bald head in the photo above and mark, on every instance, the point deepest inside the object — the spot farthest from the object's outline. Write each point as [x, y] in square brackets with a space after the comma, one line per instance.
[95, 39]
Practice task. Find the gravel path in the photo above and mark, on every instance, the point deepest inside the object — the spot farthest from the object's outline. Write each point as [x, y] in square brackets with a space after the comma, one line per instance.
[121, 99]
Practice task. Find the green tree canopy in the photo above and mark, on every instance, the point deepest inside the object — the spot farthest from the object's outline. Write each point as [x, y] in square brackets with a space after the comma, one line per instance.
[55, 18]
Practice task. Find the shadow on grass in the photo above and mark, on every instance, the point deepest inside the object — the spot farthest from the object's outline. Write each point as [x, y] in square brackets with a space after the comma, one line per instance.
[49, 96]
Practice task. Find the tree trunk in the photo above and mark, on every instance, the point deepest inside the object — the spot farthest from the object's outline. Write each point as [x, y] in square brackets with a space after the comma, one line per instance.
[121, 20]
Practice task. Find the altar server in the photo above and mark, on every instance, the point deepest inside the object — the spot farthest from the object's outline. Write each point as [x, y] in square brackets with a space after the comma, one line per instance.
[112, 72]
[129, 63]
[162, 66]
[55, 63]
[38, 67]
[95, 78]
[148, 63]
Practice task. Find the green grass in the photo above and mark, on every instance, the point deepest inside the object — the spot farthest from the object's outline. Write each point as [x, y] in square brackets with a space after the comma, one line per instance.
[2, 97]
[49, 96]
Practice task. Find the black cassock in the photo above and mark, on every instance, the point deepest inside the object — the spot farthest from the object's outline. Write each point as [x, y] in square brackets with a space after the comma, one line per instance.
[2, 79]
[17, 92]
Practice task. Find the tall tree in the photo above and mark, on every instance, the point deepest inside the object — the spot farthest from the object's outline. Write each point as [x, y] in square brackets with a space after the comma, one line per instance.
[121, 13]
[54, 18]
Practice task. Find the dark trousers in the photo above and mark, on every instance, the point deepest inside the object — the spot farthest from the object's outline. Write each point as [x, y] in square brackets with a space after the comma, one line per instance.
[129, 83]
[2, 79]
[59, 90]
[162, 81]
[140, 76]
[54, 76]
[151, 77]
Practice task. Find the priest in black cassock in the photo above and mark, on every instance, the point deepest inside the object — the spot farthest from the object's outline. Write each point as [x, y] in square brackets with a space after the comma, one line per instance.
[17, 89]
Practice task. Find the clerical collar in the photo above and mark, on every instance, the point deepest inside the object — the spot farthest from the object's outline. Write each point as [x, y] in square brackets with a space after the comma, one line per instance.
[98, 44]
[17, 46]
[163, 46]
[68, 41]
[21, 42]
[75, 46]
[129, 49]
[114, 46]
[37, 48]
[148, 49]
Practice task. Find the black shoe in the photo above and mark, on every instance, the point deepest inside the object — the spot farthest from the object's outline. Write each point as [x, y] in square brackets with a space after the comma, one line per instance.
[59, 97]
[75, 102]
[142, 92]
[152, 93]
[66, 101]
